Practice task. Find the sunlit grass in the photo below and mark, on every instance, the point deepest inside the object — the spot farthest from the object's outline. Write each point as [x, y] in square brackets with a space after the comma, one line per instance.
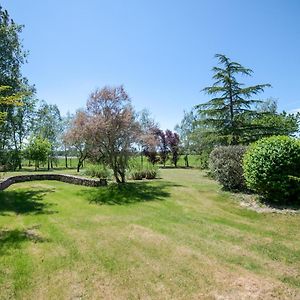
[175, 237]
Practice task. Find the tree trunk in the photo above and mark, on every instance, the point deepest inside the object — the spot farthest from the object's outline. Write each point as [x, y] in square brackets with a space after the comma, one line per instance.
[123, 177]
[116, 176]
[78, 166]
[186, 160]
[20, 163]
[48, 163]
[66, 160]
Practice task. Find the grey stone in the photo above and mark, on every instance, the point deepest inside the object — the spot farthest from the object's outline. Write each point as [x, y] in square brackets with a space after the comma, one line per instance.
[58, 177]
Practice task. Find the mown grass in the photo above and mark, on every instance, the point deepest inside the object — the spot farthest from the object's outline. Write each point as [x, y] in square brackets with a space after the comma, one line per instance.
[179, 237]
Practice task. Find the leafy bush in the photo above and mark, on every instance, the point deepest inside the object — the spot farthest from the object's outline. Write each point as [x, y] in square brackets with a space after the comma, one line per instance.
[203, 160]
[225, 164]
[38, 150]
[98, 171]
[272, 168]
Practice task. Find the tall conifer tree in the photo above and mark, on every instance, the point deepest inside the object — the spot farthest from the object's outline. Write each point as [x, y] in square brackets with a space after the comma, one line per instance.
[226, 115]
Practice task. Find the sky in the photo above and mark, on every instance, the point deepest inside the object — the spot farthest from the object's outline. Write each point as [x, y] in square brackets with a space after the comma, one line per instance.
[162, 51]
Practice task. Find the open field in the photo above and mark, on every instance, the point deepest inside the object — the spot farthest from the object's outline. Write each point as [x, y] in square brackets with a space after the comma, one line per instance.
[194, 162]
[179, 237]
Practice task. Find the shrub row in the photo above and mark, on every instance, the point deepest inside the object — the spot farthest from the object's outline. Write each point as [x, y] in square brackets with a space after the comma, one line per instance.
[269, 167]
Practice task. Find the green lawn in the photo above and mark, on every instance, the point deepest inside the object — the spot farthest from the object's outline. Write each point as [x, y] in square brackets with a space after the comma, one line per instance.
[179, 237]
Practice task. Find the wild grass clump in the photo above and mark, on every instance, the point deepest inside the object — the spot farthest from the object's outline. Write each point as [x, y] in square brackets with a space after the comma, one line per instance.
[139, 172]
[98, 171]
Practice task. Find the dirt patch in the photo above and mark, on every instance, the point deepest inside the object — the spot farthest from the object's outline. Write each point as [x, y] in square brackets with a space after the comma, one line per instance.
[251, 202]
[251, 287]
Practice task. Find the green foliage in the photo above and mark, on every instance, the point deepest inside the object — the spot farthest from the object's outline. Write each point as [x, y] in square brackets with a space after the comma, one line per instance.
[13, 89]
[98, 171]
[225, 164]
[203, 160]
[272, 168]
[38, 150]
[269, 124]
[8, 100]
[12, 55]
[48, 123]
[185, 130]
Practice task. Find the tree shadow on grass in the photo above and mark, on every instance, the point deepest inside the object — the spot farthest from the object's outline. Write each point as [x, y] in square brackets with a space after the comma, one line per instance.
[13, 239]
[128, 193]
[25, 202]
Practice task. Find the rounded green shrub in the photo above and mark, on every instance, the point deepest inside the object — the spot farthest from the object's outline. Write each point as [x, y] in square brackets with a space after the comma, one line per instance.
[272, 169]
[225, 165]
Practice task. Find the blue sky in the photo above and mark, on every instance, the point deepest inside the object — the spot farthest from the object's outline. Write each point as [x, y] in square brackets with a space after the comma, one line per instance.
[161, 50]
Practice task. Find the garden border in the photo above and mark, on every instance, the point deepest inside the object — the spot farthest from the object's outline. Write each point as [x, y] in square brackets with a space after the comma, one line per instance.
[58, 177]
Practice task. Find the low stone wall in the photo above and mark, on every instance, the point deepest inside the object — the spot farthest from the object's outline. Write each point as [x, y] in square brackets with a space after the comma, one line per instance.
[59, 177]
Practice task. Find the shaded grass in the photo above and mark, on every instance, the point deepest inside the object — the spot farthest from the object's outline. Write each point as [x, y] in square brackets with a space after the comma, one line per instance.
[181, 237]
[128, 193]
[24, 201]
[13, 239]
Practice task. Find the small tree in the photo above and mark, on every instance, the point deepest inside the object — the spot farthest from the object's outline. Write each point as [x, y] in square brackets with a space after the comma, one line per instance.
[173, 143]
[162, 146]
[151, 155]
[185, 130]
[148, 140]
[66, 125]
[77, 137]
[48, 125]
[38, 150]
[112, 129]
